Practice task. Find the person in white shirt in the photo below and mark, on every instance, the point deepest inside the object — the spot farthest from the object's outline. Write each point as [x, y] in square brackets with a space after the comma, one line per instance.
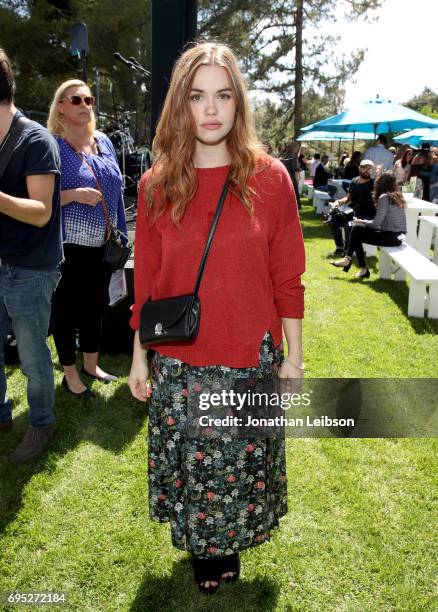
[314, 164]
[380, 155]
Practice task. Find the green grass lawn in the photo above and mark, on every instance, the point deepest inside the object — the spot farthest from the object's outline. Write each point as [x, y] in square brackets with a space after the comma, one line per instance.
[360, 534]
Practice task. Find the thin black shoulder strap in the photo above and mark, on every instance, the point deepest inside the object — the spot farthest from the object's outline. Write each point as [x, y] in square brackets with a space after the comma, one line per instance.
[10, 142]
[210, 237]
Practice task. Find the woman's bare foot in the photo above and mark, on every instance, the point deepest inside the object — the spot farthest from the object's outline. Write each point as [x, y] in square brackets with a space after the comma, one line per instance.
[74, 383]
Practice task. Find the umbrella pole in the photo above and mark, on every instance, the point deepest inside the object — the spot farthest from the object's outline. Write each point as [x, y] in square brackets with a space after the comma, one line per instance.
[352, 148]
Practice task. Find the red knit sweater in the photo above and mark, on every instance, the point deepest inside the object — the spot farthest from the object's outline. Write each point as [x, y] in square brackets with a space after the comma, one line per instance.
[252, 274]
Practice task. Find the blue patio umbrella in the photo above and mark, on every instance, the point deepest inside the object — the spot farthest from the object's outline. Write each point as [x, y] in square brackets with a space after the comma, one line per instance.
[327, 136]
[413, 137]
[335, 136]
[431, 137]
[375, 116]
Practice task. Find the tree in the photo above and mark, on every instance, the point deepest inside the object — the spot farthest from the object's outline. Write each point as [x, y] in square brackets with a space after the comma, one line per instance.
[36, 35]
[282, 48]
[269, 116]
[426, 99]
[425, 103]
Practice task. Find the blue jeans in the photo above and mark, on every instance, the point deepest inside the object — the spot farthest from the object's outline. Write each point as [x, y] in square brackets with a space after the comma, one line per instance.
[25, 298]
[330, 189]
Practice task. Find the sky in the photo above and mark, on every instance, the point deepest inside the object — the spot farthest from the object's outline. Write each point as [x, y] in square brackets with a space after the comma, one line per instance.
[400, 52]
[401, 59]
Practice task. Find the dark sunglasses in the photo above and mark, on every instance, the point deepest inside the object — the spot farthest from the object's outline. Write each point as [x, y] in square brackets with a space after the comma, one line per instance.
[76, 100]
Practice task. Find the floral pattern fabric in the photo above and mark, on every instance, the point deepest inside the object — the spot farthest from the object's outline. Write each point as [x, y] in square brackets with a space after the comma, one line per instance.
[220, 494]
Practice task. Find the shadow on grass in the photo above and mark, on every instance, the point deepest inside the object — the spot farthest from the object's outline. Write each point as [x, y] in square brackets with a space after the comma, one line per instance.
[179, 592]
[398, 291]
[109, 423]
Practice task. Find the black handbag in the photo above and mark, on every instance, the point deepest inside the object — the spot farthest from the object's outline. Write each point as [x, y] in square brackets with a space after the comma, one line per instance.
[177, 318]
[115, 255]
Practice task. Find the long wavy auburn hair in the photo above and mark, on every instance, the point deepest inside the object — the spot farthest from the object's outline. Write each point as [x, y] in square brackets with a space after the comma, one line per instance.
[173, 176]
[55, 122]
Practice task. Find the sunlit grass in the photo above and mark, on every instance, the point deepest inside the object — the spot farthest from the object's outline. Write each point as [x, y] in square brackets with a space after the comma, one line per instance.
[359, 535]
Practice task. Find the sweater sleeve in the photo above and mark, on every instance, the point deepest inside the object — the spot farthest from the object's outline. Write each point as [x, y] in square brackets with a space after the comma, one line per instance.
[147, 256]
[382, 211]
[287, 257]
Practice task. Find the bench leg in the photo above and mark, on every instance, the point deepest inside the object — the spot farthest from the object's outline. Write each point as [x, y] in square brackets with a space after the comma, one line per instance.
[433, 301]
[417, 295]
[370, 250]
[384, 265]
[320, 207]
[399, 274]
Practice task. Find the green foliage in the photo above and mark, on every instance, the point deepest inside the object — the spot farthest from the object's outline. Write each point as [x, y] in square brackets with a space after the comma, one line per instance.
[264, 35]
[36, 35]
[357, 536]
[274, 121]
[426, 102]
[429, 111]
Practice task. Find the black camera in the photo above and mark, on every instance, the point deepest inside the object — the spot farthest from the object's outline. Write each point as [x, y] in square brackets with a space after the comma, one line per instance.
[340, 215]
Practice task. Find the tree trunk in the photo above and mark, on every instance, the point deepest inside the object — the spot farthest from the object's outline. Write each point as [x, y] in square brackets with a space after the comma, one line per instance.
[298, 67]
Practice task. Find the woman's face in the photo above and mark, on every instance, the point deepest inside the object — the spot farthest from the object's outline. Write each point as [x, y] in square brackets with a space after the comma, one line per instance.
[76, 114]
[409, 156]
[212, 104]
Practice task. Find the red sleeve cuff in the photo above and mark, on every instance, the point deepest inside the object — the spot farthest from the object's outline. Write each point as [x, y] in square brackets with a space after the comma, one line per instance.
[290, 312]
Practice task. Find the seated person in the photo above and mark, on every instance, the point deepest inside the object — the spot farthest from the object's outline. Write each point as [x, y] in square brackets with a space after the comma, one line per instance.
[314, 164]
[388, 227]
[360, 198]
[320, 182]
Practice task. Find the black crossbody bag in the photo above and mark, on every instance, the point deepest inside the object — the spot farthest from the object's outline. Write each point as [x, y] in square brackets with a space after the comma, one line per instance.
[114, 255]
[177, 319]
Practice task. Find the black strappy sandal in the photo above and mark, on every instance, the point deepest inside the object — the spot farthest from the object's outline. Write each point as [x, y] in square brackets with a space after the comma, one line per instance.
[230, 564]
[206, 570]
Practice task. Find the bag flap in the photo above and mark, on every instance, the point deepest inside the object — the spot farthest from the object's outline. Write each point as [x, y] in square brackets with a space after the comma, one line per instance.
[165, 312]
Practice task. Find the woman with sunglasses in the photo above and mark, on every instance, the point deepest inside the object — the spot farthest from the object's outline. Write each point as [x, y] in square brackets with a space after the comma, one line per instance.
[220, 493]
[91, 199]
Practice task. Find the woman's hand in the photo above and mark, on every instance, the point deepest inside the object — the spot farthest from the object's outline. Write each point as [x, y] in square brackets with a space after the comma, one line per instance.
[138, 380]
[358, 222]
[294, 374]
[290, 370]
[86, 195]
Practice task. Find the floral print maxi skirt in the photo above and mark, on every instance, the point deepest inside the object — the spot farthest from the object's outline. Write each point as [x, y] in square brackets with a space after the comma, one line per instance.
[221, 494]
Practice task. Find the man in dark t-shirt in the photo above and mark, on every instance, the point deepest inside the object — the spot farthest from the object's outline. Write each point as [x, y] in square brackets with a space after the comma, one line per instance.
[360, 198]
[30, 254]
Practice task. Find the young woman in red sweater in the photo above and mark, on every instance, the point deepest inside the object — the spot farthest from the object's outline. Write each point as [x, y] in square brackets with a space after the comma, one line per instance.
[221, 495]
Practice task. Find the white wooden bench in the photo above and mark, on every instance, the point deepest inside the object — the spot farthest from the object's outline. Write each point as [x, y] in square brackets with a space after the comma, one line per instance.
[320, 201]
[423, 273]
[309, 190]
